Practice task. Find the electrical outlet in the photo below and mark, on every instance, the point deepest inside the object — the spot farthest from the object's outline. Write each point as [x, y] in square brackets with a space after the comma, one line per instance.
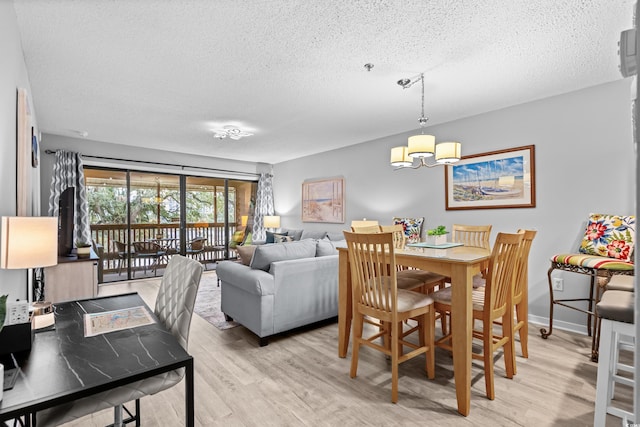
[558, 284]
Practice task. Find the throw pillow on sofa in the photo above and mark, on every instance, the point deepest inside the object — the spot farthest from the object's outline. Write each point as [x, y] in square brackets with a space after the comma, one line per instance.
[245, 253]
[279, 238]
[311, 234]
[325, 247]
[294, 233]
[266, 254]
[271, 236]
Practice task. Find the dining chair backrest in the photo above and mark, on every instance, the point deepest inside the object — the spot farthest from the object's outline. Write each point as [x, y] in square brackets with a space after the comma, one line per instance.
[120, 247]
[472, 235]
[373, 273]
[366, 229]
[522, 267]
[197, 244]
[177, 295]
[399, 238]
[500, 275]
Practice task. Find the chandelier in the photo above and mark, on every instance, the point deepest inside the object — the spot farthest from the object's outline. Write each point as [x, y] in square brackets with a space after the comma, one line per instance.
[230, 132]
[423, 147]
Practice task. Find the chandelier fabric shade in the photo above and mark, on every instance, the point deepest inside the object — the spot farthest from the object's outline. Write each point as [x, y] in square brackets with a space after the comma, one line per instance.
[448, 152]
[423, 146]
[400, 157]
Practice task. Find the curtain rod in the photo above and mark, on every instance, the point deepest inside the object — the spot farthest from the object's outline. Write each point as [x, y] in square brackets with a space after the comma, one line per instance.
[182, 167]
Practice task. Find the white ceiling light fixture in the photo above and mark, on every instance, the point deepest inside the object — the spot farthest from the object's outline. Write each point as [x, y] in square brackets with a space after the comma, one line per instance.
[423, 147]
[230, 131]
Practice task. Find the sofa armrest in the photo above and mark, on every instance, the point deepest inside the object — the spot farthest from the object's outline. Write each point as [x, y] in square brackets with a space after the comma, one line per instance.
[256, 282]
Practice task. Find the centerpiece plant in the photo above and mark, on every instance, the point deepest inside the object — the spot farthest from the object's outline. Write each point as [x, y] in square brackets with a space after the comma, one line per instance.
[437, 235]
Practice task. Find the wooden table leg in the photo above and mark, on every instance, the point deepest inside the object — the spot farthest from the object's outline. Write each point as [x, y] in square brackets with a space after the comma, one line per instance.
[461, 331]
[344, 303]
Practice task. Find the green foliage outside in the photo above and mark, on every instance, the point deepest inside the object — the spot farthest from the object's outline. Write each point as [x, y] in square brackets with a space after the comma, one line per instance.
[108, 205]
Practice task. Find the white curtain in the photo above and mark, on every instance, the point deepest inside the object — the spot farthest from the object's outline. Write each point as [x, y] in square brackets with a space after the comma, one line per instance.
[264, 205]
[69, 172]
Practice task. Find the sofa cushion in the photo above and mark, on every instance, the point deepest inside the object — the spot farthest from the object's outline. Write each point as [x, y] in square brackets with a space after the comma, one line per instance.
[609, 236]
[312, 234]
[325, 247]
[335, 235]
[295, 234]
[271, 234]
[245, 253]
[266, 254]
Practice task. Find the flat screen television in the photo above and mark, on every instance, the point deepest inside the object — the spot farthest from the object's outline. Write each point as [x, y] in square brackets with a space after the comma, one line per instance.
[66, 222]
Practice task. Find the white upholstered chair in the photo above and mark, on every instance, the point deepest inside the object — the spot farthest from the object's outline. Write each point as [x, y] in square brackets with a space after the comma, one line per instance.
[174, 308]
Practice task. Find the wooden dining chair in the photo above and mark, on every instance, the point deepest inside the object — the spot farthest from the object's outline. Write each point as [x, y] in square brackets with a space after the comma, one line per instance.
[490, 303]
[365, 229]
[431, 281]
[521, 291]
[376, 295]
[472, 235]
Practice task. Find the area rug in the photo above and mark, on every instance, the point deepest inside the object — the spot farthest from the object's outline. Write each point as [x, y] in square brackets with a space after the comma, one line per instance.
[208, 302]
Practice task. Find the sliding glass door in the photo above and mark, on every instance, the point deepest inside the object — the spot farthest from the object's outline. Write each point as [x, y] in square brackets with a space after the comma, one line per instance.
[140, 219]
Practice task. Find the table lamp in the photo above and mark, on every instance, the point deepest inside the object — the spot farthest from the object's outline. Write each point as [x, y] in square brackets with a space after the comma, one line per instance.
[26, 242]
[272, 221]
[29, 242]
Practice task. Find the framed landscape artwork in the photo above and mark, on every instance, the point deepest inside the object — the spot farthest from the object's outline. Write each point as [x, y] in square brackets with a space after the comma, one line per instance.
[323, 200]
[493, 180]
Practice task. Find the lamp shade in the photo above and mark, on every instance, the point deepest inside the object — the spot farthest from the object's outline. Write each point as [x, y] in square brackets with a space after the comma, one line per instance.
[400, 158]
[448, 152]
[421, 145]
[29, 242]
[271, 221]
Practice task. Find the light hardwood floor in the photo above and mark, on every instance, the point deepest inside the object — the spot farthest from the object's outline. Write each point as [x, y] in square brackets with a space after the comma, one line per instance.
[299, 380]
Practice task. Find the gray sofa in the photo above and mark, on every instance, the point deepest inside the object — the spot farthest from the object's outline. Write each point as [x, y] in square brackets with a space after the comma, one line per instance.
[284, 286]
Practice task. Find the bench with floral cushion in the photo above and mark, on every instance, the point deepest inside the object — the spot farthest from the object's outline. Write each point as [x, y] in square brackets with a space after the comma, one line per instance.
[606, 250]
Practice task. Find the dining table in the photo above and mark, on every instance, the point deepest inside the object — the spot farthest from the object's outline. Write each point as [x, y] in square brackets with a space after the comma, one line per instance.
[460, 264]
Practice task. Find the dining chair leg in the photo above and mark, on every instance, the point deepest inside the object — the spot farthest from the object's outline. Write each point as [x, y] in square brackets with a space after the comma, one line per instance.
[395, 336]
[509, 346]
[488, 360]
[523, 332]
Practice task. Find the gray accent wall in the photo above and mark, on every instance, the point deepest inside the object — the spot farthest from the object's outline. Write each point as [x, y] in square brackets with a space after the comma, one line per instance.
[585, 162]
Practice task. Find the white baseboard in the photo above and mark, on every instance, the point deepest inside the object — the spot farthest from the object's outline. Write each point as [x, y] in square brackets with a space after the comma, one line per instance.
[543, 322]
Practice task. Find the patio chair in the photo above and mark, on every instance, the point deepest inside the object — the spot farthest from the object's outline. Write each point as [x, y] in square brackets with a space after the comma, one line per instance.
[149, 251]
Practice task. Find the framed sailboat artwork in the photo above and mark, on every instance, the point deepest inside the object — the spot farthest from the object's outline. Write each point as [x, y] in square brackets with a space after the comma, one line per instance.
[493, 180]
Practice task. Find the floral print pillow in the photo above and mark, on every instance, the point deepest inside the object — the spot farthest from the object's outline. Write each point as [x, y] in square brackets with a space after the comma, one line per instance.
[610, 236]
[412, 228]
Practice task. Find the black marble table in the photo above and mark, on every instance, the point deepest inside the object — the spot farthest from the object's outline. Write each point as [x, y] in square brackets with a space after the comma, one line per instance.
[64, 365]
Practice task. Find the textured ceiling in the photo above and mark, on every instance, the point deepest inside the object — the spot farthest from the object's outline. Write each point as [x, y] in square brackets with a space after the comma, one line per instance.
[163, 74]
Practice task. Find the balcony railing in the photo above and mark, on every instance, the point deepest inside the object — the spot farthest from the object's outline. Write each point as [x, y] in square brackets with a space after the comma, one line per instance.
[105, 235]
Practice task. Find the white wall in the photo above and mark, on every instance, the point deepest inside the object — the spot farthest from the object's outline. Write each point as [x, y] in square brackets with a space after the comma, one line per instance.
[584, 163]
[13, 75]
